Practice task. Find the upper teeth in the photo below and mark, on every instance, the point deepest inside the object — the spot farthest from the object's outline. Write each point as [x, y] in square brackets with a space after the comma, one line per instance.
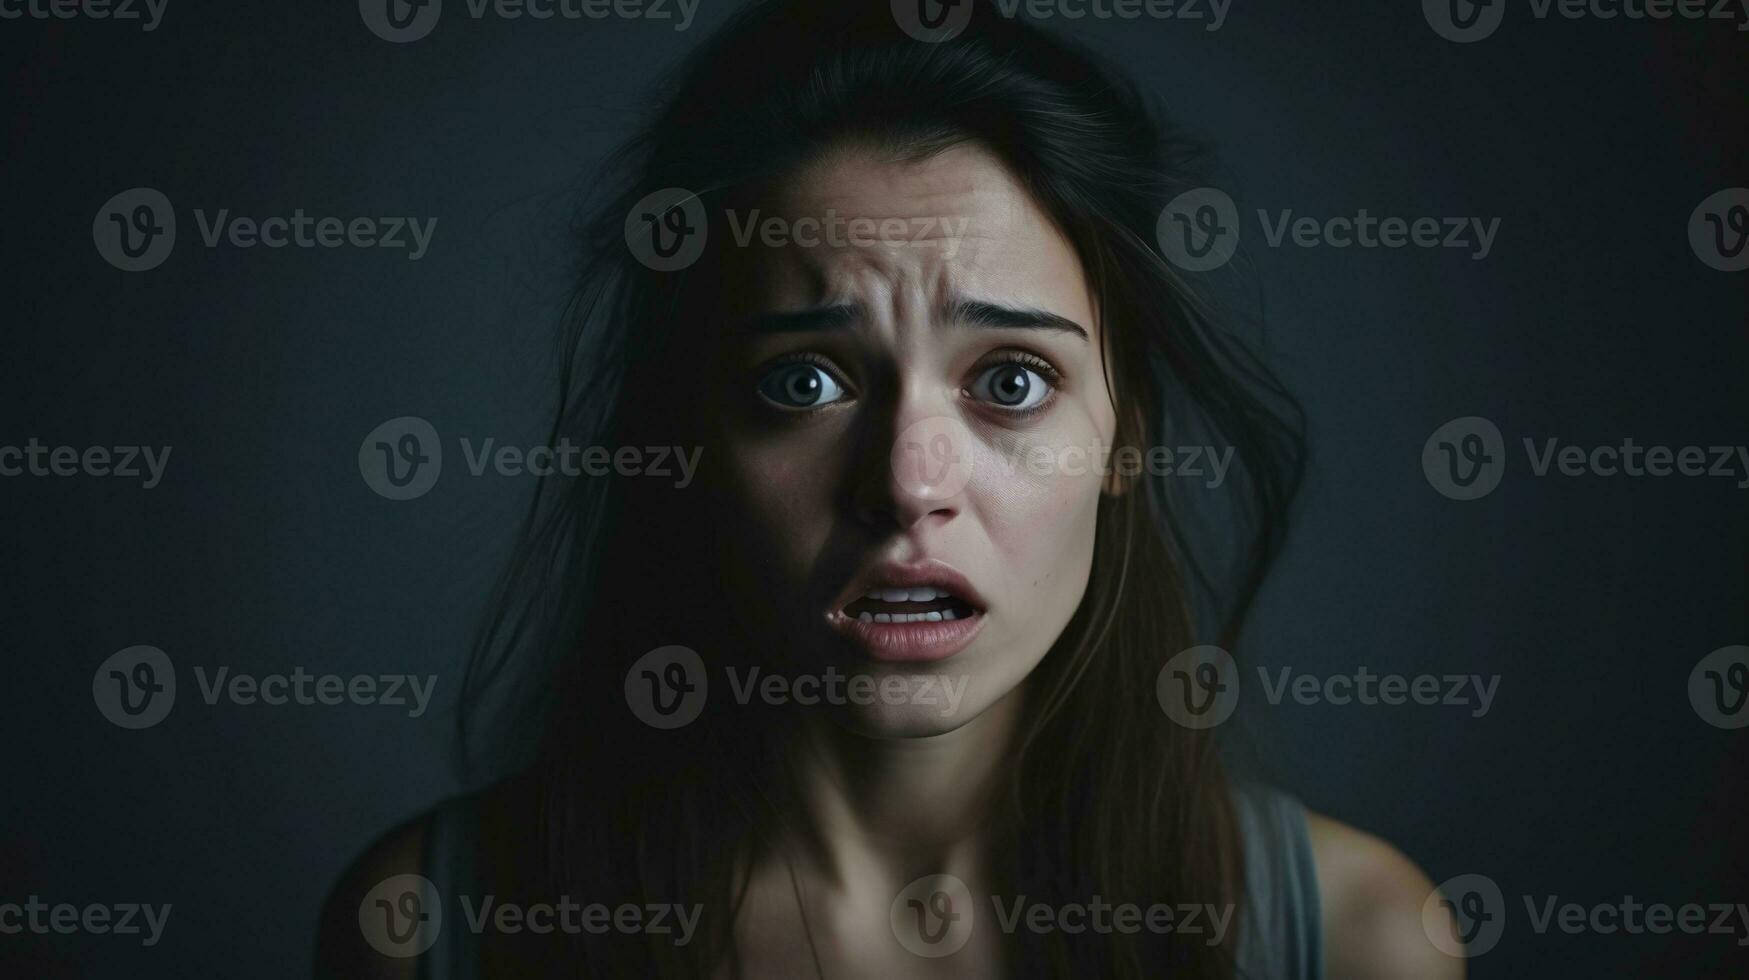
[921, 594]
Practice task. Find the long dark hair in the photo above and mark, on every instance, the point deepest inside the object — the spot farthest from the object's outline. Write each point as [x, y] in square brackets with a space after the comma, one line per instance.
[1105, 795]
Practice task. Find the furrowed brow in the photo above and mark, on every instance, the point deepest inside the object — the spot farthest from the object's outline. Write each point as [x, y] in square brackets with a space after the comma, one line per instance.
[835, 317]
[978, 313]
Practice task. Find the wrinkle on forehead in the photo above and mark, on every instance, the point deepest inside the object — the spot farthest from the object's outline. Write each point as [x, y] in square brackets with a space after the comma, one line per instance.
[972, 230]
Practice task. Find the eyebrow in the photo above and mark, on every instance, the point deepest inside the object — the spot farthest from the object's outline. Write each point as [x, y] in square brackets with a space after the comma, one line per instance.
[973, 313]
[978, 313]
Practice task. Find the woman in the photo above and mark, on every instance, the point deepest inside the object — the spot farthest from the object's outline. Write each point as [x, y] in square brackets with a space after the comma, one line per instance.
[906, 297]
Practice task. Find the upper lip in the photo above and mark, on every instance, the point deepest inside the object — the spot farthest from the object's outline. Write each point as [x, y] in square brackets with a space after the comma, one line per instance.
[895, 575]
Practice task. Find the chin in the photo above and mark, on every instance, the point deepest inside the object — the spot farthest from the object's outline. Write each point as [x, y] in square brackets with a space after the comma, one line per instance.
[903, 721]
[893, 701]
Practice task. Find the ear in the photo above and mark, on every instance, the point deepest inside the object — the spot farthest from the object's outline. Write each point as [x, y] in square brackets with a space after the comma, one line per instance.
[1131, 428]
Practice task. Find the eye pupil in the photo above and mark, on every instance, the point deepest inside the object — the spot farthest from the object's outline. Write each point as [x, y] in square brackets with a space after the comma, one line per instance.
[1012, 385]
[803, 386]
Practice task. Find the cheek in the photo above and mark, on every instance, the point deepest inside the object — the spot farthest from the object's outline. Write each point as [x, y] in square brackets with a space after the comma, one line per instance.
[1041, 514]
[771, 505]
[1041, 529]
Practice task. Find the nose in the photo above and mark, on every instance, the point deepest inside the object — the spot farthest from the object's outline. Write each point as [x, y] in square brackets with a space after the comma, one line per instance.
[914, 472]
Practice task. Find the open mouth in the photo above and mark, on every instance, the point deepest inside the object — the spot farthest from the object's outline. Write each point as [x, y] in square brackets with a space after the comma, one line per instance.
[919, 604]
[920, 611]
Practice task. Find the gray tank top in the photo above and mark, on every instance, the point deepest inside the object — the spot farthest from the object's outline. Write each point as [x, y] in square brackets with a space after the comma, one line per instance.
[1281, 936]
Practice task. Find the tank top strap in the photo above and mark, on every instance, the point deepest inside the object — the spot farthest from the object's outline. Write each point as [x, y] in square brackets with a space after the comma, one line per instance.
[1281, 938]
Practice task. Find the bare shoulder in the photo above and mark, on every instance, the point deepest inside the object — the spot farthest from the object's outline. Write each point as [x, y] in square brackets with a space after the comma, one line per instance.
[496, 821]
[1372, 897]
[341, 949]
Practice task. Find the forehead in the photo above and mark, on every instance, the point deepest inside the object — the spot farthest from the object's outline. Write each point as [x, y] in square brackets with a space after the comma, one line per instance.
[857, 225]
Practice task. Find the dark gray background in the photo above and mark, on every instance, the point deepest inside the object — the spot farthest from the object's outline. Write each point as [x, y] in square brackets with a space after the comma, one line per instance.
[263, 549]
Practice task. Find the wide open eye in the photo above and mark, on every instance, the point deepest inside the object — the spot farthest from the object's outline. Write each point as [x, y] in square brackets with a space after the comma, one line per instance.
[800, 385]
[1011, 385]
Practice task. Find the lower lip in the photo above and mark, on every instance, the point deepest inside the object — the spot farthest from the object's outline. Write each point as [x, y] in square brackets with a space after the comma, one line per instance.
[909, 642]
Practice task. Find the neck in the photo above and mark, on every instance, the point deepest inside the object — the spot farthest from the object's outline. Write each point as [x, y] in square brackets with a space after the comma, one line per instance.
[890, 810]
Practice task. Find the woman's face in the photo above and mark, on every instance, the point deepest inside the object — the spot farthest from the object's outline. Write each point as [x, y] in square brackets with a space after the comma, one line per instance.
[907, 459]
